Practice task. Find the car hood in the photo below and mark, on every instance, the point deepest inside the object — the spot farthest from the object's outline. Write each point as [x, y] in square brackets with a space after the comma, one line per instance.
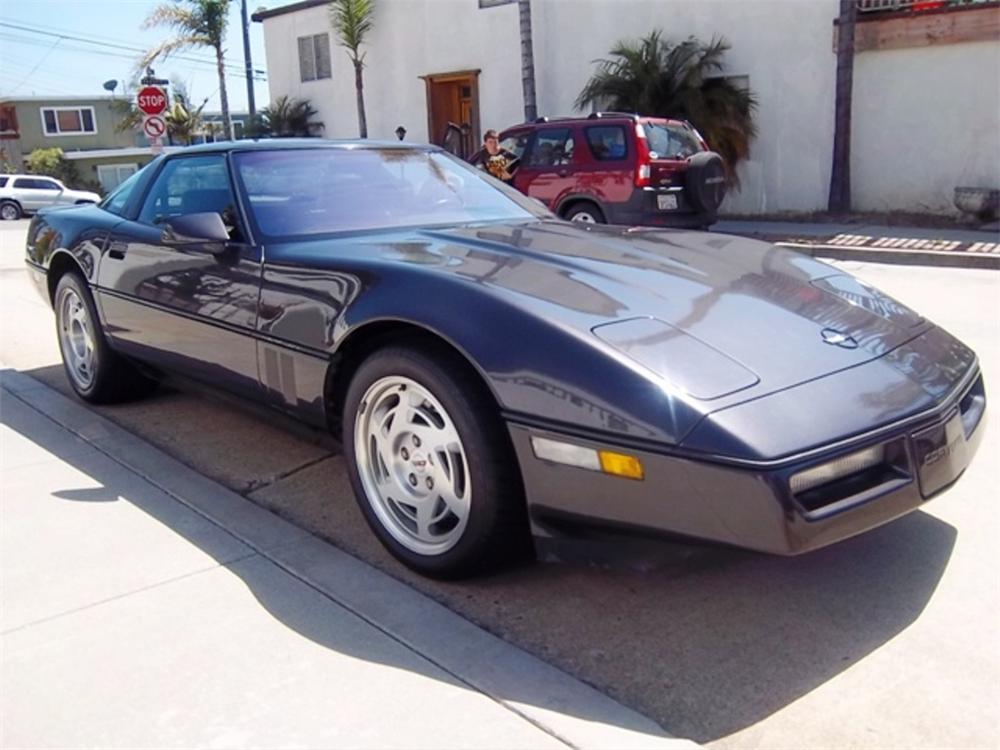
[712, 314]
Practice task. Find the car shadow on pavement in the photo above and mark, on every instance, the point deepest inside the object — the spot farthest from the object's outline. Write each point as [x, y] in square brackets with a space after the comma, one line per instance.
[708, 642]
[99, 480]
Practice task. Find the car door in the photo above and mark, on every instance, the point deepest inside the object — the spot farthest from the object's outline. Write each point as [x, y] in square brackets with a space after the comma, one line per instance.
[34, 193]
[183, 307]
[547, 168]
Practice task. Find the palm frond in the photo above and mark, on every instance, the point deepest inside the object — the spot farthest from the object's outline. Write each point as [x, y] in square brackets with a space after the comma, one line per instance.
[682, 80]
[352, 20]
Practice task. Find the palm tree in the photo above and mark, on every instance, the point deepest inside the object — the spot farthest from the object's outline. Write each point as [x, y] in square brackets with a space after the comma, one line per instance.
[352, 20]
[198, 23]
[287, 117]
[183, 118]
[682, 81]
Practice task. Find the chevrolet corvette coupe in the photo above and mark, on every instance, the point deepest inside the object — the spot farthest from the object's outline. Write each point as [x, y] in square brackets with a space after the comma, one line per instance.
[496, 374]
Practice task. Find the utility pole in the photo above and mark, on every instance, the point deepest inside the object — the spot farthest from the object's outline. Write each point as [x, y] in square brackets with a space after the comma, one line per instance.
[248, 64]
[527, 61]
[840, 175]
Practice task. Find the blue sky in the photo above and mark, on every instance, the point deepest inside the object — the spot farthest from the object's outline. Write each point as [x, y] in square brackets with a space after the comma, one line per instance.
[67, 47]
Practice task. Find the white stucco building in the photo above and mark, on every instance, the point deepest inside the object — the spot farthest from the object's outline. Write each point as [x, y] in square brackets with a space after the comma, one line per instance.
[926, 85]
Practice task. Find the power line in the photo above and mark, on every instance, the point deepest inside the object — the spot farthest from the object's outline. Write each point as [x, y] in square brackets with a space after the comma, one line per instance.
[259, 75]
[235, 67]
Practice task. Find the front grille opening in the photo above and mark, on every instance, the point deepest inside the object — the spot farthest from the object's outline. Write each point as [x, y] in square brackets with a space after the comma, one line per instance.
[858, 487]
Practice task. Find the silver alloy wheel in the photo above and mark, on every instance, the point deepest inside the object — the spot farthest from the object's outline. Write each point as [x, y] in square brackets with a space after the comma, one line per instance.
[76, 338]
[9, 212]
[412, 465]
[584, 217]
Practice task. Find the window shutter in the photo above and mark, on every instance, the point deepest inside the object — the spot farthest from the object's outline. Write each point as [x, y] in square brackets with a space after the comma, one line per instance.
[307, 60]
[321, 43]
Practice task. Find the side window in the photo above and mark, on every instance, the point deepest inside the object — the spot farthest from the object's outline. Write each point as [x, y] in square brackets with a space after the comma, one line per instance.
[115, 203]
[191, 185]
[607, 142]
[33, 183]
[515, 143]
[552, 148]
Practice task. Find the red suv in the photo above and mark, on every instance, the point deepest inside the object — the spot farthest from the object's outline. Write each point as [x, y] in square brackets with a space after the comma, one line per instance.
[618, 168]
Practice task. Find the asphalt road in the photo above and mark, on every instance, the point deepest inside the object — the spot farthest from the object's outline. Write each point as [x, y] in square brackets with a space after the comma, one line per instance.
[886, 640]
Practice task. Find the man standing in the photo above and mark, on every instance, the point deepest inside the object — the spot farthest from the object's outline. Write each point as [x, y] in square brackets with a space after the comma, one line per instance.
[497, 161]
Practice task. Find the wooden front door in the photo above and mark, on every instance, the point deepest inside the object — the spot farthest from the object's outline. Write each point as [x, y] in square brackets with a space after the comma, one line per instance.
[453, 111]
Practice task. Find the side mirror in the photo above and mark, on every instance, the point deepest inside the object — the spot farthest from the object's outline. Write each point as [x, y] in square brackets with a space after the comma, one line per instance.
[189, 229]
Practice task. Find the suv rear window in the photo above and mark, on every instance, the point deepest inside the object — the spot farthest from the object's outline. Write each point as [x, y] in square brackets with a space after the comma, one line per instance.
[607, 142]
[3, 181]
[670, 141]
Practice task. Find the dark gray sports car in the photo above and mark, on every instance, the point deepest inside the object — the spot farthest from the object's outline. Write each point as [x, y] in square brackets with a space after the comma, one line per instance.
[493, 371]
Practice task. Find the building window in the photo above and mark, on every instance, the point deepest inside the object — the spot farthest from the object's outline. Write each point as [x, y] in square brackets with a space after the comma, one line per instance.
[68, 120]
[314, 57]
[112, 175]
[8, 119]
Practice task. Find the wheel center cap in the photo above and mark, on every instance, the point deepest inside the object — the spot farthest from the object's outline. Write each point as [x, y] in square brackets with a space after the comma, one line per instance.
[419, 462]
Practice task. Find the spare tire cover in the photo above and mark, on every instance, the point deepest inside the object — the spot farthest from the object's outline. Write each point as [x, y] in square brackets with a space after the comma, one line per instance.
[706, 181]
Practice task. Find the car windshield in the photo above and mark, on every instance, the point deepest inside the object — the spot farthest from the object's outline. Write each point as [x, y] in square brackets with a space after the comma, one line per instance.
[670, 141]
[300, 192]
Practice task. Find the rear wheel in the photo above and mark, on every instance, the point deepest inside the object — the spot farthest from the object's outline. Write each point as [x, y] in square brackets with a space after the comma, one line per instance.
[9, 211]
[430, 464]
[585, 213]
[97, 373]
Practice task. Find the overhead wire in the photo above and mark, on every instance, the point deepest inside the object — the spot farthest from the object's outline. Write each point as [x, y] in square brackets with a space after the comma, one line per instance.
[232, 68]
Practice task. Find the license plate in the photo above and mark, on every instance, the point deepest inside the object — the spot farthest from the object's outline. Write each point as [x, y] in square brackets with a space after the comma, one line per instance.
[940, 455]
[666, 202]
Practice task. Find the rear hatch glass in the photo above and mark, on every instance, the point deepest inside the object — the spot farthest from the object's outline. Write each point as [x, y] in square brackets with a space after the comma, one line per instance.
[667, 141]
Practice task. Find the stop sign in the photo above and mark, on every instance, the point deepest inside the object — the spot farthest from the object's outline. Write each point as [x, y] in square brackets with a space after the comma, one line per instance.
[151, 100]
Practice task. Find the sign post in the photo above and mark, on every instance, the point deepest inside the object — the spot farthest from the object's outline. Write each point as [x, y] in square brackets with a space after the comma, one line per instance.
[152, 102]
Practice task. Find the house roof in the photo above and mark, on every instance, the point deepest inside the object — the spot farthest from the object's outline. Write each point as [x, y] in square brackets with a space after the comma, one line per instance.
[262, 15]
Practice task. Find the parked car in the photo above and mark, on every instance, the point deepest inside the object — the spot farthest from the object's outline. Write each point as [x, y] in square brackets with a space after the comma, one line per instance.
[617, 168]
[493, 370]
[22, 194]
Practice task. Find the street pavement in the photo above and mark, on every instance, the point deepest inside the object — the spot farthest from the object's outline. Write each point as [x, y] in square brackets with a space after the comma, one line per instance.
[886, 640]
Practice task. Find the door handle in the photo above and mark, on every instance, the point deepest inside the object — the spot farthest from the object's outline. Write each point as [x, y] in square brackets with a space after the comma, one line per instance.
[117, 250]
[563, 172]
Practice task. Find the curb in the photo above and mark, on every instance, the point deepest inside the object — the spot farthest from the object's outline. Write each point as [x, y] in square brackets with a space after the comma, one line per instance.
[941, 258]
[559, 704]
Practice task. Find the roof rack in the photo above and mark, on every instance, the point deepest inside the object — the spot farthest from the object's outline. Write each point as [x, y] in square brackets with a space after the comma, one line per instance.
[600, 115]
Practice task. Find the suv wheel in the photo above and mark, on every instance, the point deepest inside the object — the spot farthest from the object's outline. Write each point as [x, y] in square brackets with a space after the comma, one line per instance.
[9, 211]
[586, 213]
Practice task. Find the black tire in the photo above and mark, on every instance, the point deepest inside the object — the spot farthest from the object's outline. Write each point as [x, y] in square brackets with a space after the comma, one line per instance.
[496, 531]
[578, 211]
[10, 211]
[705, 182]
[112, 378]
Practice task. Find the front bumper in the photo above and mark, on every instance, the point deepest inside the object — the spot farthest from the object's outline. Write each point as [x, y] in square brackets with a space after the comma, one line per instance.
[753, 506]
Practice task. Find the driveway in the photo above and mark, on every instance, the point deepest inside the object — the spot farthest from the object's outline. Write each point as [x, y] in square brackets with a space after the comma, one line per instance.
[886, 640]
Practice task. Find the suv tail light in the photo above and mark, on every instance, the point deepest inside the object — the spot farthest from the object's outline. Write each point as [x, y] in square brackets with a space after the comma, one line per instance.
[643, 170]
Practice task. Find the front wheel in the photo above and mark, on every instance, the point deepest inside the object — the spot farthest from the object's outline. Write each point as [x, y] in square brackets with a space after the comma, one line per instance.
[431, 467]
[95, 371]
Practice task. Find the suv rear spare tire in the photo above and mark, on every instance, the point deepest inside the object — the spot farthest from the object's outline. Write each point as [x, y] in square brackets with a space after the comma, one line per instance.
[706, 181]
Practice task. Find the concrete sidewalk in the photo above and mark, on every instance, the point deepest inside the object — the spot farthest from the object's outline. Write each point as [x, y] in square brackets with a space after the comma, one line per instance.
[879, 243]
[144, 605]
